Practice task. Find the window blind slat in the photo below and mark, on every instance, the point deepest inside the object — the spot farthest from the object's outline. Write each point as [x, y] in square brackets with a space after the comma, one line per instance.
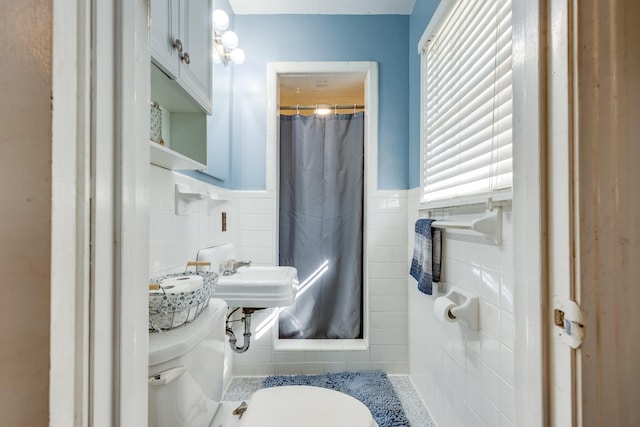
[468, 102]
[469, 82]
[464, 174]
[446, 138]
[483, 92]
[480, 49]
[478, 38]
[475, 107]
[466, 52]
[468, 151]
[472, 158]
[476, 79]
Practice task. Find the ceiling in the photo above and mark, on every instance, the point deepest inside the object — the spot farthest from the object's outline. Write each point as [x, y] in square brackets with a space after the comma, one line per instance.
[322, 7]
[320, 83]
[322, 88]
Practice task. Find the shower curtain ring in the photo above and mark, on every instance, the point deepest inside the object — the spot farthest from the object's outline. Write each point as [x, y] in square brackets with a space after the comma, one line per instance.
[354, 108]
[335, 110]
[297, 109]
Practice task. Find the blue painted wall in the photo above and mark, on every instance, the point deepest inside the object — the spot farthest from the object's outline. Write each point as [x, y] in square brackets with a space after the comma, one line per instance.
[420, 16]
[278, 38]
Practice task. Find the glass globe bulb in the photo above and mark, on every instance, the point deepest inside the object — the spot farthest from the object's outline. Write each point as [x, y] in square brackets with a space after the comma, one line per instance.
[229, 40]
[220, 20]
[237, 56]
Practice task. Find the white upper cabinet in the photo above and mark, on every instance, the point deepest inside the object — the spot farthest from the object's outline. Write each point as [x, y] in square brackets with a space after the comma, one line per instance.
[195, 20]
[164, 33]
[181, 45]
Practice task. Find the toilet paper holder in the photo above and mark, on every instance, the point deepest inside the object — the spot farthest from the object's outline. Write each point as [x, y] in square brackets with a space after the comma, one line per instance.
[462, 306]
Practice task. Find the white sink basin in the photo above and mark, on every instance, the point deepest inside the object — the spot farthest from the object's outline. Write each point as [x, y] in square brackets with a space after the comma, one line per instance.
[258, 287]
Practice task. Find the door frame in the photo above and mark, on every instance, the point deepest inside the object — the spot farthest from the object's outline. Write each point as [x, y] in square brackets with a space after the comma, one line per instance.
[370, 69]
[99, 238]
[529, 211]
[562, 215]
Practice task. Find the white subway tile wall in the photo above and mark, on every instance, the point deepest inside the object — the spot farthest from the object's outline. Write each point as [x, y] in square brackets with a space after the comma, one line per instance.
[386, 242]
[465, 378]
[175, 239]
[251, 225]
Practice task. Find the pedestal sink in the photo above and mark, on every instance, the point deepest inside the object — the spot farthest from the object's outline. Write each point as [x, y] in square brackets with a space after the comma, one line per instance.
[252, 287]
[249, 288]
[258, 287]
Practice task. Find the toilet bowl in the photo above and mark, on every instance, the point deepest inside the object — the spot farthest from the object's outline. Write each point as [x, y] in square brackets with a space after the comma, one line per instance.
[186, 367]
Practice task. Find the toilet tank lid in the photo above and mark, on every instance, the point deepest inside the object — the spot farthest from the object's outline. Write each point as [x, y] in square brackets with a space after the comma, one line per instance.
[167, 345]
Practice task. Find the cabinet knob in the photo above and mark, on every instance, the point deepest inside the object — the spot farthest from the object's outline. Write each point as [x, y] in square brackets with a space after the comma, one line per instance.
[185, 57]
[178, 45]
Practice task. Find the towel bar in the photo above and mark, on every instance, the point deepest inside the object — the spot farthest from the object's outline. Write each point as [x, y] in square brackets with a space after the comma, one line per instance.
[490, 225]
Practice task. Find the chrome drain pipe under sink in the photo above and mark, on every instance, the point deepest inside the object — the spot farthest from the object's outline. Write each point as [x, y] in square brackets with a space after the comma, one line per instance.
[246, 319]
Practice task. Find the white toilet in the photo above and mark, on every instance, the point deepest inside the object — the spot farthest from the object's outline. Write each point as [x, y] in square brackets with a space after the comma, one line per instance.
[186, 367]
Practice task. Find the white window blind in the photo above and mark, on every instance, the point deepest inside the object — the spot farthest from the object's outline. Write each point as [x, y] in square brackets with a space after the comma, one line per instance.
[467, 102]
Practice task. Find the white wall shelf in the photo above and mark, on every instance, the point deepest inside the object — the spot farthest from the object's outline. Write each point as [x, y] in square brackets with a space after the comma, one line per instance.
[169, 159]
[185, 198]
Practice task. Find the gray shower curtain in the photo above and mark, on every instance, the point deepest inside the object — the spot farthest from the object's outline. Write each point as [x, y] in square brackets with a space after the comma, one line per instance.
[321, 198]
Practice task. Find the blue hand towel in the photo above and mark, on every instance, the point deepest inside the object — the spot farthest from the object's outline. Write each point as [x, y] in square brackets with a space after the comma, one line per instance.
[425, 265]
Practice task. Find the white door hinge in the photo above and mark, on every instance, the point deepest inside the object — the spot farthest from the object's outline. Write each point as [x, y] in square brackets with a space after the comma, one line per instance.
[568, 322]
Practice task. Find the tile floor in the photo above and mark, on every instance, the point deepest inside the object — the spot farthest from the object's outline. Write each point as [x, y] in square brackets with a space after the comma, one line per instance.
[242, 388]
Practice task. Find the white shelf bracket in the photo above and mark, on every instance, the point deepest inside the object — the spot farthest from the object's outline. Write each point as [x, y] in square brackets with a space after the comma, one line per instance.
[490, 225]
[185, 199]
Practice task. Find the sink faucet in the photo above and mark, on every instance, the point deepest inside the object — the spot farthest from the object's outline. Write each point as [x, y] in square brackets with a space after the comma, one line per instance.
[231, 266]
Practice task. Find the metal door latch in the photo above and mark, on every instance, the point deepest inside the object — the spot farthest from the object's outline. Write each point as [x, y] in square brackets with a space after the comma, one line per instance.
[568, 322]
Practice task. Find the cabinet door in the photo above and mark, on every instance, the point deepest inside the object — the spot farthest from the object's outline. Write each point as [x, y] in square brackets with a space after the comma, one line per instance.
[218, 125]
[195, 28]
[164, 32]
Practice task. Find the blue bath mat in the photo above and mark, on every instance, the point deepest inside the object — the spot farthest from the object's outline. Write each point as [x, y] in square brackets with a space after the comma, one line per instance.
[372, 388]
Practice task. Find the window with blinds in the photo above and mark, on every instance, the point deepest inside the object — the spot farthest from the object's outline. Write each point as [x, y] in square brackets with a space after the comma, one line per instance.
[467, 104]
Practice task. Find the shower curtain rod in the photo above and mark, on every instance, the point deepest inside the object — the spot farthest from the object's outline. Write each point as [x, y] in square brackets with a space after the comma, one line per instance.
[313, 107]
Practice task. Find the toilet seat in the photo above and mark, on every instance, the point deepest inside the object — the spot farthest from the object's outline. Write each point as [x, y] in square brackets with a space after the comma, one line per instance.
[305, 406]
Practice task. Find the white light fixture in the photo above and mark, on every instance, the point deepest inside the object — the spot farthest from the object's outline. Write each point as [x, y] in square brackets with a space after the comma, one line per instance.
[225, 43]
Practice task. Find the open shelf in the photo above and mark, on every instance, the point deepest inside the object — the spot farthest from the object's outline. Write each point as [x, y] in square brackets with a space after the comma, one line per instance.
[169, 159]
